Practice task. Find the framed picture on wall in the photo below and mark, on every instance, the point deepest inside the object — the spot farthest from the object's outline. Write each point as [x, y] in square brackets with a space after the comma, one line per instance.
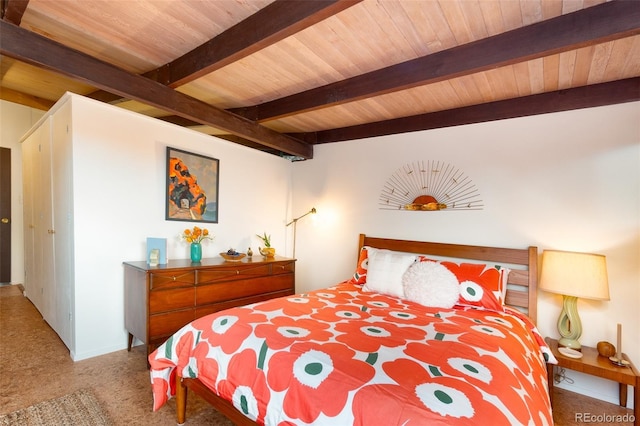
[192, 187]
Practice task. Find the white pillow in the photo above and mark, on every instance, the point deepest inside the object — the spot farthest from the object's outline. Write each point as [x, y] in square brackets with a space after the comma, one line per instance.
[385, 271]
[431, 284]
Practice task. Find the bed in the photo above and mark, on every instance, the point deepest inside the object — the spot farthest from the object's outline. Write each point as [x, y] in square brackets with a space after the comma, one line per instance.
[395, 341]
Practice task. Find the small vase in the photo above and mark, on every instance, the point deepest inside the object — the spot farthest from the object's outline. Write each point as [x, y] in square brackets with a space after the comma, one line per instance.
[196, 252]
[267, 251]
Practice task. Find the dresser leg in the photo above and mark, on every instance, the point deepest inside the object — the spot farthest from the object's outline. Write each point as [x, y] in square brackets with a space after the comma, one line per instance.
[130, 342]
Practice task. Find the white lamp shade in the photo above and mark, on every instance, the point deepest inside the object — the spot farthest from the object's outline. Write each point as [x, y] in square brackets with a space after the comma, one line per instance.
[581, 275]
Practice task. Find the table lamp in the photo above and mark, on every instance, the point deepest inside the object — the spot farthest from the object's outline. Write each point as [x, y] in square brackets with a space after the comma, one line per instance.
[573, 275]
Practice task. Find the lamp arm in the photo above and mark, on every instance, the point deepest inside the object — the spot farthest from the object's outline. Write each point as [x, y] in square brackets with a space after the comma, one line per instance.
[313, 210]
[569, 324]
[296, 219]
[294, 222]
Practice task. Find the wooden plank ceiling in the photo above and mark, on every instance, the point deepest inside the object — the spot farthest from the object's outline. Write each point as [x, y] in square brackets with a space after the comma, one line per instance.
[282, 76]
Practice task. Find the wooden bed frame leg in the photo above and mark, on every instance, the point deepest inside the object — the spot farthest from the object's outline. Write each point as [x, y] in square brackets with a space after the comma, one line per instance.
[181, 401]
[550, 379]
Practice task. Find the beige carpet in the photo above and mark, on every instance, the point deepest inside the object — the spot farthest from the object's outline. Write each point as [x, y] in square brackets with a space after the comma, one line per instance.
[79, 408]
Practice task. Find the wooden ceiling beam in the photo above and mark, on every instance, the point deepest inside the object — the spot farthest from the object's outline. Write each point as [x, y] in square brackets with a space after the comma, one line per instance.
[241, 141]
[25, 99]
[13, 10]
[611, 93]
[268, 26]
[183, 122]
[179, 121]
[614, 92]
[598, 24]
[37, 50]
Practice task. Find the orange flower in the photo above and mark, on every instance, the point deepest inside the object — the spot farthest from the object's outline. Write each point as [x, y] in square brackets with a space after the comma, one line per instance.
[368, 336]
[228, 329]
[293, 306]
[196, 235]
[246, 386]
[323, 375]
[283, 331]
[419, 395]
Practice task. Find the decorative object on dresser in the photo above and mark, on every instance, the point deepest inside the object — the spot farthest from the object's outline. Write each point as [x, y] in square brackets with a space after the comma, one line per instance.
[267, 251]
[160, 300]
[573, 275]
[294, 222]
[232, 255]
[195, 252]
[159, 244]
[154, 255]
[195, 238]
[192, 187]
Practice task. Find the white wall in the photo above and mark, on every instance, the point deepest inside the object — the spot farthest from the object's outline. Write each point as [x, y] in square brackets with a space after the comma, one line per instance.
[15, 120]
[119, 163]
[567, 181]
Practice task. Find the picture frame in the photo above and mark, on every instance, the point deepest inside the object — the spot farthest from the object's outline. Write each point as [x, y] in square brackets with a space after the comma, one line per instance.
[192, 183]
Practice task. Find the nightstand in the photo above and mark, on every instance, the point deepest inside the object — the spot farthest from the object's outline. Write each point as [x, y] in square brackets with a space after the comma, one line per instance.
[594, 364]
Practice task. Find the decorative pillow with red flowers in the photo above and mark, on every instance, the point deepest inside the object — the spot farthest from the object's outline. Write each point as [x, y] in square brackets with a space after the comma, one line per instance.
[360, 276]
[481, 285]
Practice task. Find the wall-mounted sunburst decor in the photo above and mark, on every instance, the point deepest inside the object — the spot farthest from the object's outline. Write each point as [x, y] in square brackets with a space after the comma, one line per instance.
[429, 186]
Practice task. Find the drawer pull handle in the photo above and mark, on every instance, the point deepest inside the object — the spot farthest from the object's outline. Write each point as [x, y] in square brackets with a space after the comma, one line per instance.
[237, 272]
[174, 278]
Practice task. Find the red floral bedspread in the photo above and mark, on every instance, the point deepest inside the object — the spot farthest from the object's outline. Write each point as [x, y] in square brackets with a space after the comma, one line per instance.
[343, 356]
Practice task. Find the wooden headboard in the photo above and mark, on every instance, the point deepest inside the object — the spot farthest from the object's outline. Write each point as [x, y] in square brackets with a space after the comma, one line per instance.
[523, 281]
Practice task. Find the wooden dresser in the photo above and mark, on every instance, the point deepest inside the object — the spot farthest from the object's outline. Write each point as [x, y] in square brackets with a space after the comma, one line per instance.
[159, 300]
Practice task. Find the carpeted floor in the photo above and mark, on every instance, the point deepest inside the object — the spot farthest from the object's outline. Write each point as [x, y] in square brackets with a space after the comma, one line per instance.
[36, 366]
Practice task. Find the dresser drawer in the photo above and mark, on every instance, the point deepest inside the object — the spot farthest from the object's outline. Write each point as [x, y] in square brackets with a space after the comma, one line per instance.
[232, 272]
[161, 325]
[171, 279]
[224, 291]
[171, 299]
[283, 267]
[215, 307]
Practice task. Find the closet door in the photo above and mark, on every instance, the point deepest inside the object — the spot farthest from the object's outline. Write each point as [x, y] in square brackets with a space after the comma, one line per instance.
[43, 293]
[62, 172]
[31, 288]
[46, 229]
